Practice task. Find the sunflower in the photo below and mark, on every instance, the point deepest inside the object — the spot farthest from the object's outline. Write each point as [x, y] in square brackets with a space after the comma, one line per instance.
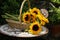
[32, 18]
[35, 11]
[42, 18]
[26, 17]
[35, 28]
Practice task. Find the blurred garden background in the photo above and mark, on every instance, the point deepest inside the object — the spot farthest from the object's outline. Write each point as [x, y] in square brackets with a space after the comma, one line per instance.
[52, 6]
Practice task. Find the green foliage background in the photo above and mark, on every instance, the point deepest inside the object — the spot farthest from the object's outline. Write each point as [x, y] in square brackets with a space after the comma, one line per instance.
[13, 6]
[9, 6]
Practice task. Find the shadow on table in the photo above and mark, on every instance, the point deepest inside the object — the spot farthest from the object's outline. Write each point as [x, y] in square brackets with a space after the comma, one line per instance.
[5, 37]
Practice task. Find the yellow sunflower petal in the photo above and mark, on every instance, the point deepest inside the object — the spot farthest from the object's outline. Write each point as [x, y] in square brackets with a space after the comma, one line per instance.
[42, 23]
[35, 28]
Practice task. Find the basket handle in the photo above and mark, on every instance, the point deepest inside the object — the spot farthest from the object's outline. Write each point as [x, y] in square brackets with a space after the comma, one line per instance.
[22, 8]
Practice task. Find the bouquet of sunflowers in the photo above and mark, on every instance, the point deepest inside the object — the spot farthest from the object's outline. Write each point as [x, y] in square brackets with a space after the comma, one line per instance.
[36, 20]
[33, 17]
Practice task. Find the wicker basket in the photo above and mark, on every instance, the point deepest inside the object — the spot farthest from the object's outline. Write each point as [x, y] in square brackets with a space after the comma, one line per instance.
[18, 24]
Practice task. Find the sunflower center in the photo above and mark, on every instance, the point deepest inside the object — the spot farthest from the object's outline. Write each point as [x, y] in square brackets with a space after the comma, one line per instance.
[27, 17]
[35, 12]
[35, 27]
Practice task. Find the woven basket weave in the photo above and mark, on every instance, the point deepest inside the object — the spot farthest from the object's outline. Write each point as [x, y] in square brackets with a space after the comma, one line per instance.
[19, 24]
